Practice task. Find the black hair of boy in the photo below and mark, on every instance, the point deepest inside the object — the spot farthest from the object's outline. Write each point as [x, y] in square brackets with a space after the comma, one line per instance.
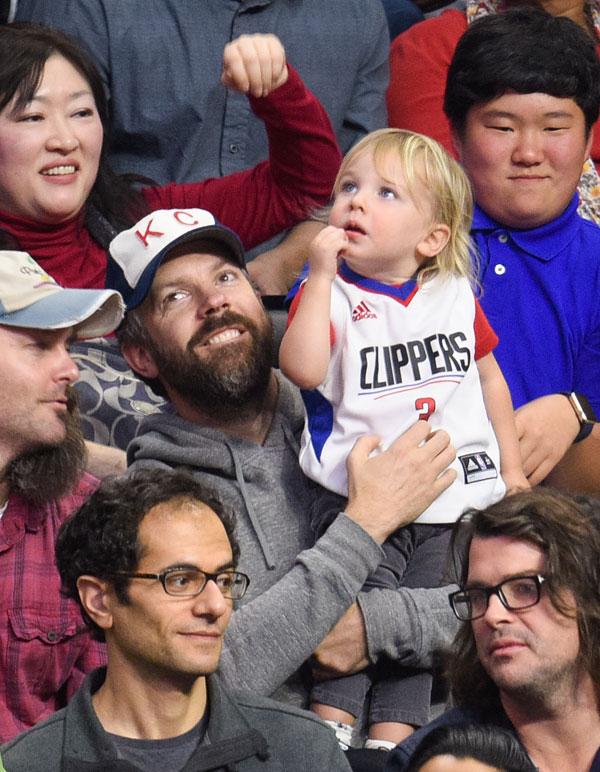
[524, 50]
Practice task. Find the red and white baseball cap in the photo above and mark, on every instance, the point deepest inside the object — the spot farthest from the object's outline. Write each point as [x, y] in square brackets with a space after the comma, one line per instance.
[136, 254]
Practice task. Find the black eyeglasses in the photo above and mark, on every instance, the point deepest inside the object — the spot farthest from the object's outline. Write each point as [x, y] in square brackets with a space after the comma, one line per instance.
[189, 582]
[515, 594]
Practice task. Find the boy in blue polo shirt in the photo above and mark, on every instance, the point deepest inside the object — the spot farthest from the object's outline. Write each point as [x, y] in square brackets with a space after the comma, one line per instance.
[522, 94]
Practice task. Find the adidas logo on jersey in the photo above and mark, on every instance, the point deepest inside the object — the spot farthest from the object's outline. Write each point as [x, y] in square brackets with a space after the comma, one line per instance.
[362, 311]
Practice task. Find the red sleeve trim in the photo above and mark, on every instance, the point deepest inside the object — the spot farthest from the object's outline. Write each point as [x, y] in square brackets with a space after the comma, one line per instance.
[486, 339]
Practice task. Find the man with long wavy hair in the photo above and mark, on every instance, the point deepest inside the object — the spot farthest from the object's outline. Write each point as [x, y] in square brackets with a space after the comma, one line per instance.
[527, 657]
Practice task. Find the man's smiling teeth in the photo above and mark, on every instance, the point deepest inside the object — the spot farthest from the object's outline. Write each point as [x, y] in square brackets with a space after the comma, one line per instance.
[223, 337]
[55, 170]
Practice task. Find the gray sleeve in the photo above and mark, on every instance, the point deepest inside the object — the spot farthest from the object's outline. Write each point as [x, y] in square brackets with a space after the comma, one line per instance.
[367, 110]
[408, 625]
[39, 749]
[271, 636]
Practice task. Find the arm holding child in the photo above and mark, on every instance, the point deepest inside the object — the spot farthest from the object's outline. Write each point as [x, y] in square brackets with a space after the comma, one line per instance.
[306, 347]
[498, 405]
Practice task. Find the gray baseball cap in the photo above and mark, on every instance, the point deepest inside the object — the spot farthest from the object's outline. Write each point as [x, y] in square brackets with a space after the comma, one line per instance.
[31, 298]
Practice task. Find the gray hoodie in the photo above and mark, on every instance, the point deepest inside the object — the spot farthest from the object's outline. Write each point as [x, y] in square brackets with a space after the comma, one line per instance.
[298, 588]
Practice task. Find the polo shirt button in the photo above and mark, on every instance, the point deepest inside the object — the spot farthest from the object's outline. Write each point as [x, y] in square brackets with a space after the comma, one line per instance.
[52, 636]
[499, 269]
[503, 238]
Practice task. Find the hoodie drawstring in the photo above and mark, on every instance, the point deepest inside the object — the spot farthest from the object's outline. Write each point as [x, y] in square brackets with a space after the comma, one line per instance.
[239, 476]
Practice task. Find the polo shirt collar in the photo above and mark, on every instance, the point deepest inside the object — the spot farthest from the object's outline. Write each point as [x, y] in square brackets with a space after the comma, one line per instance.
[544, 242]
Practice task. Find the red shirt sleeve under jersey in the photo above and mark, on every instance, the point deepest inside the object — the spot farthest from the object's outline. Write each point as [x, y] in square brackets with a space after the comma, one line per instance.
[486, 339]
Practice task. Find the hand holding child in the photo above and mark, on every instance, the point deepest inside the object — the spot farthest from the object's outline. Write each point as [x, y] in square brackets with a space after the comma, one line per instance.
[324, 252]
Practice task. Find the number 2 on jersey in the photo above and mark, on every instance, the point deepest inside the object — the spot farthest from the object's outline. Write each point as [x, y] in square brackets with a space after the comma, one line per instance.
[425, 407]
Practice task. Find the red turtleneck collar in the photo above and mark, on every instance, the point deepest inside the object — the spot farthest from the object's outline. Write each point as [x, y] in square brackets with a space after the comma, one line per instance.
[65, 250]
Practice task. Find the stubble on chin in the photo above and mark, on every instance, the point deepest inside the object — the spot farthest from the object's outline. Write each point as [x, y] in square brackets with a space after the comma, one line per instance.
[536, 688]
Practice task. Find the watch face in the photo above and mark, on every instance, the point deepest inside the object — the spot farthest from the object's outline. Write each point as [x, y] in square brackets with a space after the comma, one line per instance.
[582, 407]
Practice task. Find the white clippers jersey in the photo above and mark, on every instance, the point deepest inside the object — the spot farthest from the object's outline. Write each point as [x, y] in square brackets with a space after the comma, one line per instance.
[399, 354]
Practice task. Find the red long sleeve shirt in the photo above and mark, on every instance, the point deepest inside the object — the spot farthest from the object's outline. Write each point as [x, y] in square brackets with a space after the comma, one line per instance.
[257, 203]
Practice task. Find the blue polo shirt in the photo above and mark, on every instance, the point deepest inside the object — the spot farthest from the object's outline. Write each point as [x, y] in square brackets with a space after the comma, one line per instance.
[541, 294]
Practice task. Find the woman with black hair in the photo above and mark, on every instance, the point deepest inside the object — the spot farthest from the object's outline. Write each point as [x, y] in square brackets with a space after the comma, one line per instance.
[61, 202]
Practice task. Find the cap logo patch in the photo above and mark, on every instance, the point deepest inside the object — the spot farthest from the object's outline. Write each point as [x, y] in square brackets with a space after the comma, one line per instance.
[143, 237]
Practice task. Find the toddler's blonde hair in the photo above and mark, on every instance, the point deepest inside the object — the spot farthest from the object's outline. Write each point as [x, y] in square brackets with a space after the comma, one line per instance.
[424, 160]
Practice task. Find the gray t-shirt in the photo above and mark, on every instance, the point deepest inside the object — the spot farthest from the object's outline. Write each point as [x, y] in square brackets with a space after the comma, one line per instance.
[159, 755]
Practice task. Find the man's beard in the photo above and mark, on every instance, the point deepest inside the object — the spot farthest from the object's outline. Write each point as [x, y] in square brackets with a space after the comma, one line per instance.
[49, 472]
[542, 689]
[226, 383]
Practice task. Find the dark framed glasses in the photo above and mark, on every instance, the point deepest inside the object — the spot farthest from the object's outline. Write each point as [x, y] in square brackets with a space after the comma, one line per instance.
[515, 594]
[189, 582]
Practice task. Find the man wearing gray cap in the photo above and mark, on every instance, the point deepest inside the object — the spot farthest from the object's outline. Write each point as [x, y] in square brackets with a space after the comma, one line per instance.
[46, 651]
[197, 330]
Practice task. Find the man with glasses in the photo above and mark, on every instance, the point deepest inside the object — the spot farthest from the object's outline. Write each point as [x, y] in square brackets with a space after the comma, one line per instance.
[527, 657]
[151, 560]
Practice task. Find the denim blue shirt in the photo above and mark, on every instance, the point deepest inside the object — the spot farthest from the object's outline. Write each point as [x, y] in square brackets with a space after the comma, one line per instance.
[541, 294]
[160, 60]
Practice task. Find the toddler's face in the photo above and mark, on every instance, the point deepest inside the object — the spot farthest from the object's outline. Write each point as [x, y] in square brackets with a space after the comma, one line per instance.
[387, 226]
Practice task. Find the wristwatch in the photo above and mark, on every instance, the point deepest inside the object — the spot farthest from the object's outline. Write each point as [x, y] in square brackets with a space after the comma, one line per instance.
[584, 412]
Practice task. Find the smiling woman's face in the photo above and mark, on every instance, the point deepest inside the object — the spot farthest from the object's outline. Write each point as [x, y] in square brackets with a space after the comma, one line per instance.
[50, 148]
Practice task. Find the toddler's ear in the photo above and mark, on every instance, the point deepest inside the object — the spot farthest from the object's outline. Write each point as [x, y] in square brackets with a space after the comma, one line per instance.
[435, 241]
